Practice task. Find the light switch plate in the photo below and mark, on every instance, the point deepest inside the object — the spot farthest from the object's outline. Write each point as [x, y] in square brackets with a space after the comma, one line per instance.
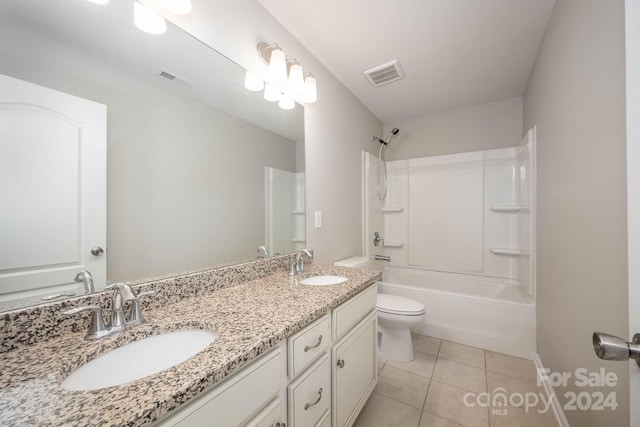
[318, 219]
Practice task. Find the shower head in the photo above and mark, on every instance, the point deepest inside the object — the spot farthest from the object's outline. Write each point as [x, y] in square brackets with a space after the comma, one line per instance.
[393, 132]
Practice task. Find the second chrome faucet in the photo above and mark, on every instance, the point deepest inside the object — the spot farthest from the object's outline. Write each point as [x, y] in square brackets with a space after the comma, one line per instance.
[297, 265]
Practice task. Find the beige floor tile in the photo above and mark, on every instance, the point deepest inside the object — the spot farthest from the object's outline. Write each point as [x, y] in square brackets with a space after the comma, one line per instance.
[462, 353]
[517, 417]
[429, 420]
[509, 365]
[448, 402]
[422, 364]
[381, 411]
[381, 363]
[425, 344]
[511, 385]
[460, 375]
[403, 386]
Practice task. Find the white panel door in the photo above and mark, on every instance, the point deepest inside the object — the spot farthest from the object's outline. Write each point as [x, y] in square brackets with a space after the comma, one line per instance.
[52, 187]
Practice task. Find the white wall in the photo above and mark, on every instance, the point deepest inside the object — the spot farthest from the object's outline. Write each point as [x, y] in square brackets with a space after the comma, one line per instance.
[576, 97]
[479, 127]
[337, 127]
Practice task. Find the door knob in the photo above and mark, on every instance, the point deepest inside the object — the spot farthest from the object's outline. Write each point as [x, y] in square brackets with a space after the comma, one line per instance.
[97, 251]
[610, 347]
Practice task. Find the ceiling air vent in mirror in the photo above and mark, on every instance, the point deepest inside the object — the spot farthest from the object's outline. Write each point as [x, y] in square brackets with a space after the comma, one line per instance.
[176, 79]
[385, 73]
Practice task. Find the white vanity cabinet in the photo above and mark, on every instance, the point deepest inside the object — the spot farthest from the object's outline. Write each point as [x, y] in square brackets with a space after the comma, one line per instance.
[237, 399]
[320, 377]
[354, 355]
[355, 370]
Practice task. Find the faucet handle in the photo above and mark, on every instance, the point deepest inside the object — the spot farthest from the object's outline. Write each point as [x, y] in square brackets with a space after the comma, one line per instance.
[96, 327]
[135, 316]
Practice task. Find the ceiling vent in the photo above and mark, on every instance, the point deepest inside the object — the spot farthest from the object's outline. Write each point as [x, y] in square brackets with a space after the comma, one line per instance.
[176, 79]
[385, 73]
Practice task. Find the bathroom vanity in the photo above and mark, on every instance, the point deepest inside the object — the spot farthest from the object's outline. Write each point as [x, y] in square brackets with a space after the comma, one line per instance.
[284, 353]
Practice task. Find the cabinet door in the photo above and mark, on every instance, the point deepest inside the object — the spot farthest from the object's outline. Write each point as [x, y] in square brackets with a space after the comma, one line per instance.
[355, 372]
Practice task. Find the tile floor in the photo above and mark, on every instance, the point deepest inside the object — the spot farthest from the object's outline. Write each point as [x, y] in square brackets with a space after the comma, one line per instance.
[431, 391]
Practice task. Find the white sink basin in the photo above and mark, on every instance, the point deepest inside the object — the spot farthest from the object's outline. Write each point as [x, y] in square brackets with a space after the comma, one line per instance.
[139, 359]
[322, 280]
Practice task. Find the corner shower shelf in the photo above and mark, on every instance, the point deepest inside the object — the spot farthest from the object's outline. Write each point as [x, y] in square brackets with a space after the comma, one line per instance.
[509, 208]
[298, 240]
[508, 251]
[393, 244]
[298, 212]
[392, 210]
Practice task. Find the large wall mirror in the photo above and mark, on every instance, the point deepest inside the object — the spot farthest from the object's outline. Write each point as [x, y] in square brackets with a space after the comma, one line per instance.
[200, 172]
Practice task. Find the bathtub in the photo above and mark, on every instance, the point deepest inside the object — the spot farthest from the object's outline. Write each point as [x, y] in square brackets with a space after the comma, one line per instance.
[486, 313]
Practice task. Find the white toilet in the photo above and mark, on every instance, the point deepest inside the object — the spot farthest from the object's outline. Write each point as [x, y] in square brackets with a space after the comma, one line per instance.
[396, 315]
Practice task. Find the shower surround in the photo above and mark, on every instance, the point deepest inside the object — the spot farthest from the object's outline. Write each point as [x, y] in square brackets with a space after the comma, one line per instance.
[459, 232]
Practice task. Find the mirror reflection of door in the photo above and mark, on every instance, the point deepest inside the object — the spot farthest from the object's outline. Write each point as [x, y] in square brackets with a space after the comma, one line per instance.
[52, 190]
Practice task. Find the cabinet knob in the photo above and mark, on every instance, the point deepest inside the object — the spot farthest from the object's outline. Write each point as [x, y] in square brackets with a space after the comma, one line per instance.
[340, 363]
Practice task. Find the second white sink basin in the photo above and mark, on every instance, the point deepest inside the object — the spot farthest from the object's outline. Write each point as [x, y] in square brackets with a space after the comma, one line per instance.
[323, 280]
[139, 359]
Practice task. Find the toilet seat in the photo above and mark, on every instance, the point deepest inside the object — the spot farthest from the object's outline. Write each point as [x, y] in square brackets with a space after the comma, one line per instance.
[393, 304]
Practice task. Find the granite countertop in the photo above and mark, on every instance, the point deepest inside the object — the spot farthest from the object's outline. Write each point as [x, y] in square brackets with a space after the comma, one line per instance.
[249, 318]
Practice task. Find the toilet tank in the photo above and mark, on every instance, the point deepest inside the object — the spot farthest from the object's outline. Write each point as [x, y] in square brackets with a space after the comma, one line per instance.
[354, 262]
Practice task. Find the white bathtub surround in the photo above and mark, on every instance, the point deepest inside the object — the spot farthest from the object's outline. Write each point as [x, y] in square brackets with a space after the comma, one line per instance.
[459, 230]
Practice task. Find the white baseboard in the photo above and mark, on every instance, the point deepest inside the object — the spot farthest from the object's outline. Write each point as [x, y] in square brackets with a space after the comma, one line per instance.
[558, 412]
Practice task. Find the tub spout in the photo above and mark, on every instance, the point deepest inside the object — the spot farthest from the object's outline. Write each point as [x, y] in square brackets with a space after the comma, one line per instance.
[383, 258]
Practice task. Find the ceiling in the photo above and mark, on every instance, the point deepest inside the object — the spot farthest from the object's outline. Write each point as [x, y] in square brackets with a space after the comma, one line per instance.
[454, 53]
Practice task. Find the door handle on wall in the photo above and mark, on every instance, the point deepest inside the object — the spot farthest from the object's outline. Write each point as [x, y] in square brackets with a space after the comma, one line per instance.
[610, 347]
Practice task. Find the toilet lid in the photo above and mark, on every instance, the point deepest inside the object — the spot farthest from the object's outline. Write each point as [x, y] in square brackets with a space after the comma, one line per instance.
[393, 304]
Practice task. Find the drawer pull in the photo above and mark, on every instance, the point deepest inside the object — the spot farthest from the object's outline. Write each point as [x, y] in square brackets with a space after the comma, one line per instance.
[309, 405]
[340, 363]
[307, 348]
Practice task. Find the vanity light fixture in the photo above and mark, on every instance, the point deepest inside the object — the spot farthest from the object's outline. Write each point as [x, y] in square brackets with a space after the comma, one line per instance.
[310, 91]
[253, 82]
[98, 1]
[273, 56]
[295, 83]
[271, 93]
[286, 103]
[147, 20]
[284, 75]
[177, 7]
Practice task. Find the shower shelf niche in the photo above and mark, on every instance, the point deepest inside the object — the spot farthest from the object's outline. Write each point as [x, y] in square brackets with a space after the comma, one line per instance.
[509, 208]
[393, 244]
[388, 210]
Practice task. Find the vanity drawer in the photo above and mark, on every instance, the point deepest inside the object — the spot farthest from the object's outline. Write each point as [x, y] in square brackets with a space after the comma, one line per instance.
[271, 416]
[235, 400]
[308, 344]
[310, 395]
[351, 312]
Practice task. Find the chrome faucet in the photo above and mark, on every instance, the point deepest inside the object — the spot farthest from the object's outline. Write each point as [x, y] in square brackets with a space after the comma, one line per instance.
[119, 320]
[264, 252]
[297, 266]
[87, 281]
[121, 292]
